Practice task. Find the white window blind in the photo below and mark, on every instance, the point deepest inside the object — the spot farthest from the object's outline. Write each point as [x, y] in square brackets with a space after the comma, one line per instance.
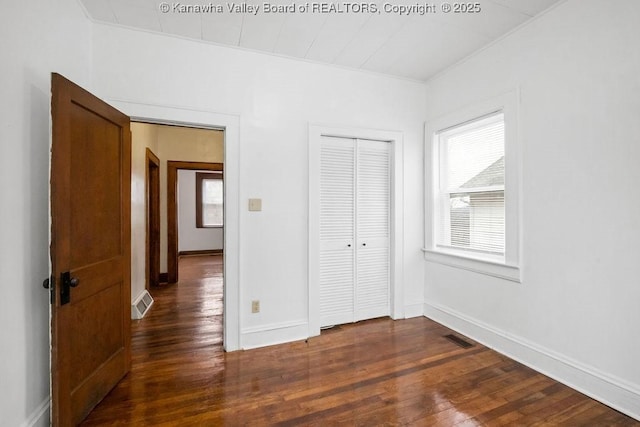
[212, 197]
[470, 198]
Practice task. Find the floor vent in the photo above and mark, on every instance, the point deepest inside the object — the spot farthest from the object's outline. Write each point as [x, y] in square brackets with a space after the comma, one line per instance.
[141, 305]
[458, 341]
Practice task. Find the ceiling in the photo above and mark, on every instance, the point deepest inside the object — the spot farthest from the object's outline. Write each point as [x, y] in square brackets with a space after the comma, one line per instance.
[414, 46]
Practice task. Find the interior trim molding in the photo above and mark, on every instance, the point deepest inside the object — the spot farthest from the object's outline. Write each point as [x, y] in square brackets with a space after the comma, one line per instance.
[230, 123]
[40, 415]
[413, 310]
[274, 333]
[610, 390]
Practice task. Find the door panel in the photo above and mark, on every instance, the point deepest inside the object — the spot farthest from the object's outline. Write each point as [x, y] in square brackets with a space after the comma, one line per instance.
[90, 240]
[337, 210]
[373, 229]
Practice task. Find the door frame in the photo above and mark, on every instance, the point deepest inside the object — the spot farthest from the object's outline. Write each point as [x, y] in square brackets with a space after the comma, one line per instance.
[172, 209]
[396, 238]
[152, 252]
[230, 124]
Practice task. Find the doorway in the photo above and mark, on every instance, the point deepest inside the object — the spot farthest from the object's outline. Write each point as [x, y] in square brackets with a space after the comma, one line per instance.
[230, 125]
[389, 296]
[173, 229]
[162, 144]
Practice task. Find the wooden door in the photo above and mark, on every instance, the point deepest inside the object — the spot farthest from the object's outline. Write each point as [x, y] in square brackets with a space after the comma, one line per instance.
[90, 250]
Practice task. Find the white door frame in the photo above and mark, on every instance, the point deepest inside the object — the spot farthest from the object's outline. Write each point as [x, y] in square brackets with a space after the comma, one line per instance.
[316, 132]
[231, 125]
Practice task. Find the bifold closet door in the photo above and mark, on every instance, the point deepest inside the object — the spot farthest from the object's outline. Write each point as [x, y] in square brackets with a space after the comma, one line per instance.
[354, 230]
[337, 230]
[373, 197]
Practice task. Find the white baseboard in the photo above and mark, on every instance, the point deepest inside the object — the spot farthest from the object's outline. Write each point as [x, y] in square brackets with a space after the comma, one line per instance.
[612, 391]
[275, 333]
[40, 416]
[413, 310]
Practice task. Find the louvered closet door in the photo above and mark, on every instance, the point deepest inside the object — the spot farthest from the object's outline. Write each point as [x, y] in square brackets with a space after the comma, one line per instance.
[354, 230]
[337, 230]
[372, 230]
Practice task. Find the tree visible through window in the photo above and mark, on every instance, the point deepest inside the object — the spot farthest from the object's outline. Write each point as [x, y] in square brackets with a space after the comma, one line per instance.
[209, 200]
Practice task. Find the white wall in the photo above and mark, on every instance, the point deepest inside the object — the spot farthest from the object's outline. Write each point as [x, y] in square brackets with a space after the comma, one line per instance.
[276, 99]
[575, 315]
[143, 136]
[36, 38]
[191, 238]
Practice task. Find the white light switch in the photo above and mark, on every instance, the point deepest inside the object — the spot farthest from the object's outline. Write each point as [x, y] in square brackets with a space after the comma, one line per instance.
[255, 205]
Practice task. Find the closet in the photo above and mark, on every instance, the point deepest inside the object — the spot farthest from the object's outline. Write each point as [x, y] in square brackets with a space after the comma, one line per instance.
[355, 195]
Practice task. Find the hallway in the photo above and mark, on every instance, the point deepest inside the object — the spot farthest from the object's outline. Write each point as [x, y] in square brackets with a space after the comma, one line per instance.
[377, 372]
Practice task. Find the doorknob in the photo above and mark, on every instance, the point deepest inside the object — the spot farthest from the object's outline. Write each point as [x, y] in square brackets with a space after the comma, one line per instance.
[74, 282]
[349, 245]
[364, 244]
[45, 283]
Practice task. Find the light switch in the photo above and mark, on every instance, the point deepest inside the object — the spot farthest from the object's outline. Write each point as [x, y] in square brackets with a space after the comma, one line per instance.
[255, 205]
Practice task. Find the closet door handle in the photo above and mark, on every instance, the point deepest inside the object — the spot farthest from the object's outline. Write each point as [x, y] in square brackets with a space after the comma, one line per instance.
[349, 245]
[364, 244]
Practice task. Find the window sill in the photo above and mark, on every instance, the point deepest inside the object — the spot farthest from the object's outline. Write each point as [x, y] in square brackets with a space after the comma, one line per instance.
[487, 267]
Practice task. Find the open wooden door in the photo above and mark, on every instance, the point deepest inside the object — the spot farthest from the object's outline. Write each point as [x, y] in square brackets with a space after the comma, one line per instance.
[90, 250]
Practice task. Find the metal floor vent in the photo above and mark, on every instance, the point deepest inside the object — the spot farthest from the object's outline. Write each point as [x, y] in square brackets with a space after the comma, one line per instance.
[458, 341]
[141, 305]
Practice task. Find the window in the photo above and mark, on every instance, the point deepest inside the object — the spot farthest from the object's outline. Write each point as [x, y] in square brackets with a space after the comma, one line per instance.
[470, 194]
[209, 200]
[472, 189]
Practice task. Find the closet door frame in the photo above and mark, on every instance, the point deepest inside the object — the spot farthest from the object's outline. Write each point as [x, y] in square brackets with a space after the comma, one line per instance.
[396, 285]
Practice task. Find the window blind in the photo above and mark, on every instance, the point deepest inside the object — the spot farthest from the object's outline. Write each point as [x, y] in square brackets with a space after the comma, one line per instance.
[212, 197]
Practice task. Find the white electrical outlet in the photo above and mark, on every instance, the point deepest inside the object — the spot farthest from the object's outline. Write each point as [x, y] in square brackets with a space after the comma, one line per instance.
[255, 306]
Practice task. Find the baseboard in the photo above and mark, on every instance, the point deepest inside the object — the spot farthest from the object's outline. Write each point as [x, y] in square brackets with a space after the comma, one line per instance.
[612, 391]
[201, 252]
[413, 310]
[275, 333]
[40, 416]
[163, 278]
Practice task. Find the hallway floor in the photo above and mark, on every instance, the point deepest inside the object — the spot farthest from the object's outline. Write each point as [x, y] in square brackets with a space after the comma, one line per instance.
[377, 372]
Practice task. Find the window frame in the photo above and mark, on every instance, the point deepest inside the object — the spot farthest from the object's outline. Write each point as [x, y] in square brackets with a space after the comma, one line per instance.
[507, 266]
[200, 177]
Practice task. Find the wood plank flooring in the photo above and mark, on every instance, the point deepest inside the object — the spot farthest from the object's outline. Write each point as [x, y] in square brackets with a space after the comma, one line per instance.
[374, 373]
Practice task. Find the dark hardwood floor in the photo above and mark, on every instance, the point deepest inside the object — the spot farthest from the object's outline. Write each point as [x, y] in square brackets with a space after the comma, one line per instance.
[378, 372]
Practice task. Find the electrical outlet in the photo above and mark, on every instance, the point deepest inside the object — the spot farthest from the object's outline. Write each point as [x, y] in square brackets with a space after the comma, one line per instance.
[255, 306]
